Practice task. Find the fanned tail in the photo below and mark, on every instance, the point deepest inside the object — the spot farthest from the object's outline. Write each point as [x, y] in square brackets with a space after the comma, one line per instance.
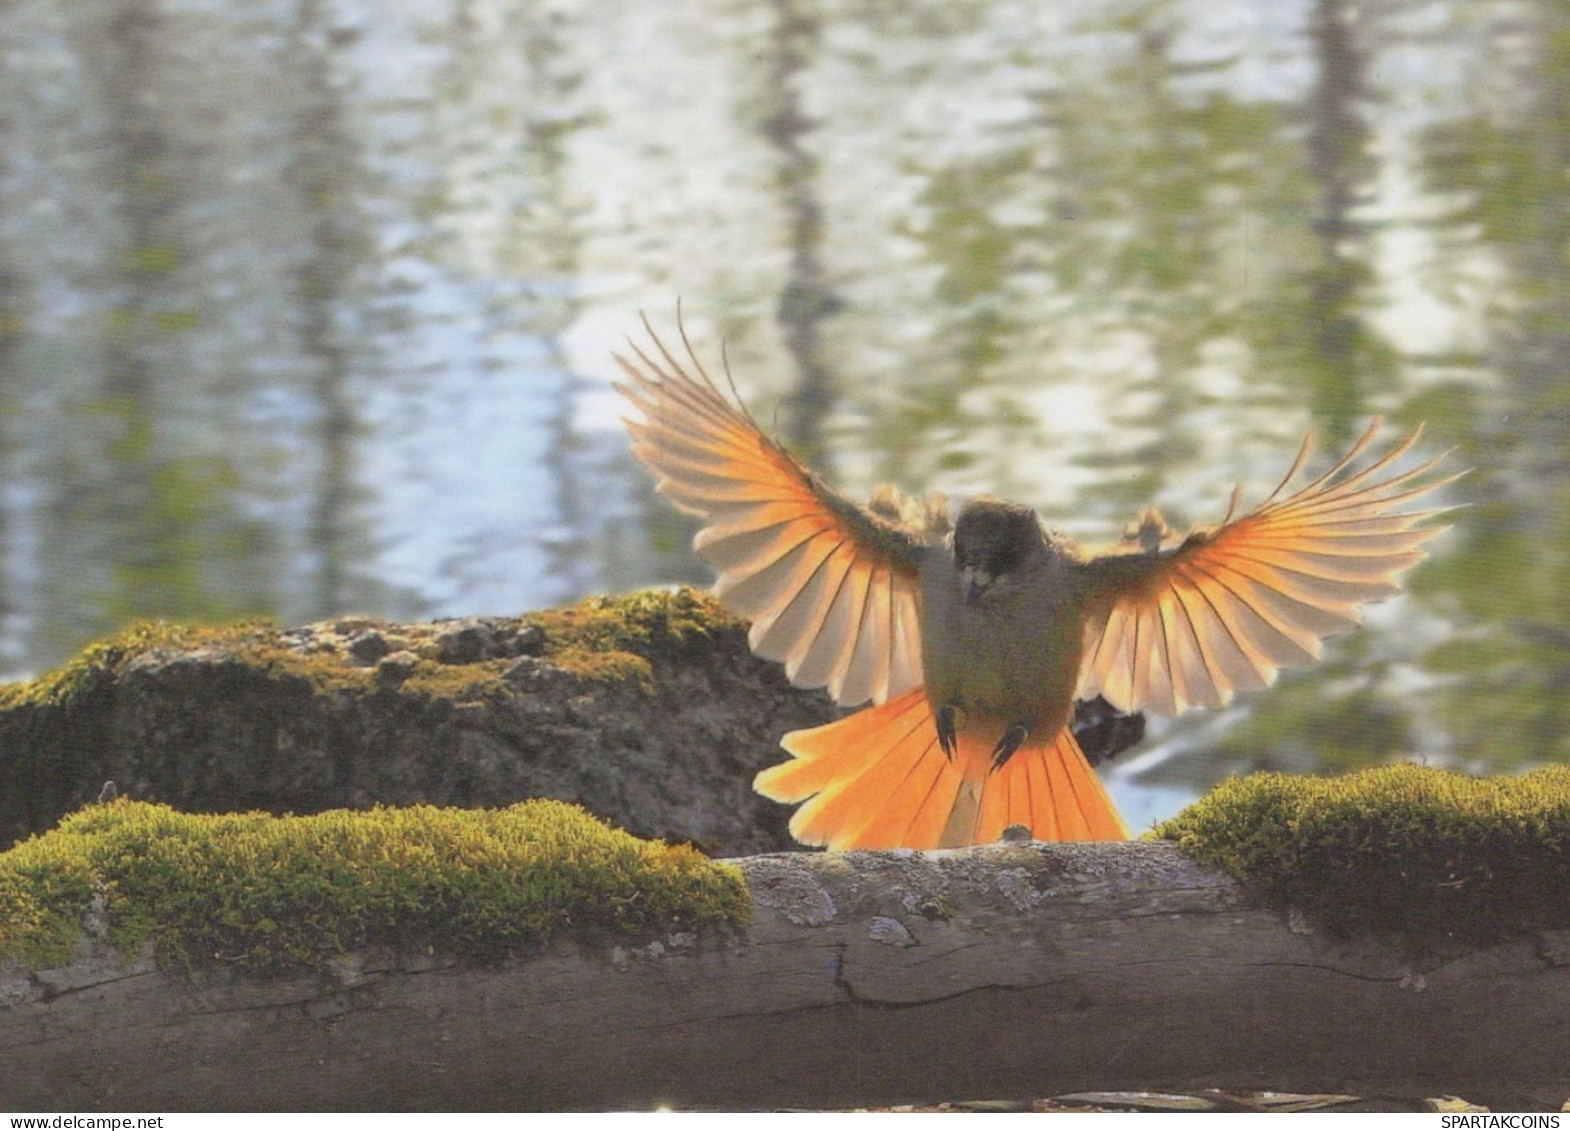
[880, 779]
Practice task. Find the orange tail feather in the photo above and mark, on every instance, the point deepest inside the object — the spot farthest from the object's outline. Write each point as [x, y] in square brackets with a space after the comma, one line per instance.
[879, 779]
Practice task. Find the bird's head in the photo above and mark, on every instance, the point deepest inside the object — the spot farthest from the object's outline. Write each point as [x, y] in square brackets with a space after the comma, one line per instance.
[992, 539]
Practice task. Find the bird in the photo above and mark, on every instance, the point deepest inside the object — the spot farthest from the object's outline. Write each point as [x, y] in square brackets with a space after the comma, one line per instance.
[969, 639]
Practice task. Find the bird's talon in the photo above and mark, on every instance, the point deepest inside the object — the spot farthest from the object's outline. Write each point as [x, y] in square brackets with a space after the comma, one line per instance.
[1012, 740]
[946, 731]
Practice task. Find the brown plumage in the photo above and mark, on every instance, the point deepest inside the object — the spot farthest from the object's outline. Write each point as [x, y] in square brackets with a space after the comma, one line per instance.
[973, 641]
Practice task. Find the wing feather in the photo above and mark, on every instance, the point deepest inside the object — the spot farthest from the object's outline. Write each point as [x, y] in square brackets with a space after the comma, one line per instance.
[866, 674]
[1192, 683]
[1226, 654]
[1234, 604]
[828, 656]
[1169, 674]
[778, 588]
[832, 589]
[905, 651]
[796, 626]
[742, 553]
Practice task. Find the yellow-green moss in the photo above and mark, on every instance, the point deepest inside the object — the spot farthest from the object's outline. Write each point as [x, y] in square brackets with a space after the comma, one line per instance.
[256, 642]
[600, 638]
[271, 891]
[1399, 848]
[603, 638]
[105, 658]
[458, 683]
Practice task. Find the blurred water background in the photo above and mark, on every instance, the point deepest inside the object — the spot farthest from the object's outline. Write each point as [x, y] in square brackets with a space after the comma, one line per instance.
[306, 305]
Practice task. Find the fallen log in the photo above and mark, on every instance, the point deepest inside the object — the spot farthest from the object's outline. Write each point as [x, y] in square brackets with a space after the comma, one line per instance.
[1011, 970]
[649, 710]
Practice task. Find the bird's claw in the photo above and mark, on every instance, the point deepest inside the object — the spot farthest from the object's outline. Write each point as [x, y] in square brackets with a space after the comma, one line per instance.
[946, 733]
[1012, 740]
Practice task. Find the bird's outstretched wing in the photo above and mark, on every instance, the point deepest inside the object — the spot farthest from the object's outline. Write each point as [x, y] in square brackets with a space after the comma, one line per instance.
[1185, 626]
[832, 589]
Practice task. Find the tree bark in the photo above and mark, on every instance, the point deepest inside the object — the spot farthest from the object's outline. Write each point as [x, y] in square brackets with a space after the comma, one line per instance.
[223, 727]
[218, 729]
[1008, 971]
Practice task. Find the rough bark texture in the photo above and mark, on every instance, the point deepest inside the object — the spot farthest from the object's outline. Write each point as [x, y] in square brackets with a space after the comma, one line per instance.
[212, 730]
[649, 711]
[1005, 971]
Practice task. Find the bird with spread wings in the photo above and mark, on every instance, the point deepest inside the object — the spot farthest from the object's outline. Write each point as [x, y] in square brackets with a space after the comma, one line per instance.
[972, 639]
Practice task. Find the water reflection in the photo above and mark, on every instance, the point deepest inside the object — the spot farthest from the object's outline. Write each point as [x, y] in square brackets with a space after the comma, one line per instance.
[305, 305]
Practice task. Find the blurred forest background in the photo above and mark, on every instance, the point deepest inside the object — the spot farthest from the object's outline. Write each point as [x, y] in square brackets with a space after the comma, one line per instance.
[306, 305]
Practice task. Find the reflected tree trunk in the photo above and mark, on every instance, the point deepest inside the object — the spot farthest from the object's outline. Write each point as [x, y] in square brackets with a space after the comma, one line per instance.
[1538, 351]
[149, 573]
[808, 300]
[322, 175]
[1173, 345]
[547, 124]
[133, 497]
[14, 313]
[15, 310]
[1503, 164]
[1338, 162]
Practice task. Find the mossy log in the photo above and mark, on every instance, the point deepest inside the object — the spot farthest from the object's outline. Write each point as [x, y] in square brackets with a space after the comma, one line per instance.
[1013, 970]
[648, 710]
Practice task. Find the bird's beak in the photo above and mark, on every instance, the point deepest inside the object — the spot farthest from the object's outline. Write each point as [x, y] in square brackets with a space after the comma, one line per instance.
[974, 583]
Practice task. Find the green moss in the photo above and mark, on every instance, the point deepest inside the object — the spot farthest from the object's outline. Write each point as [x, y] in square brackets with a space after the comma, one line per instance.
[270, 891]
[606, 638]
[257, 643]
[104, 659]
[1399, 848]
[326, 671]
[457, 683]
